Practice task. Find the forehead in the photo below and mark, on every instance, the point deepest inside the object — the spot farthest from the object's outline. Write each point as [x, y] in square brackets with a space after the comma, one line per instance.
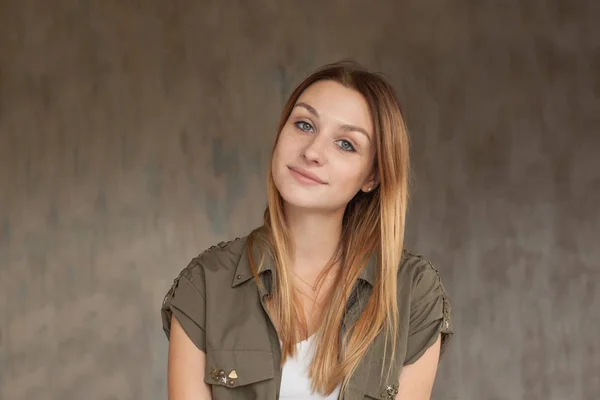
[337, 103]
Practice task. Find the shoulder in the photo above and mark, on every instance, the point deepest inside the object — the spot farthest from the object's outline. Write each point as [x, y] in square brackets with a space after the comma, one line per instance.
[222, 255]
[415, 264]
[418, 275]
[221, 258]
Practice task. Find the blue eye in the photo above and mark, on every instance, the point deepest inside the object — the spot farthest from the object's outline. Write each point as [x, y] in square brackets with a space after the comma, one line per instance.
[304, 126]
[346, 146]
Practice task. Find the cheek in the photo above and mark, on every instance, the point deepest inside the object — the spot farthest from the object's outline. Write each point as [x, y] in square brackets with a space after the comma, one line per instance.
[285, 147]
[280, 155]
[352, 176]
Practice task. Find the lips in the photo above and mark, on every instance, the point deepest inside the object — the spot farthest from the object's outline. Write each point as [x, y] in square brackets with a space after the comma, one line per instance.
[307, 174]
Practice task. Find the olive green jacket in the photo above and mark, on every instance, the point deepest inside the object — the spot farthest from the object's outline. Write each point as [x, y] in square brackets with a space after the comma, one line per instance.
[222, 310]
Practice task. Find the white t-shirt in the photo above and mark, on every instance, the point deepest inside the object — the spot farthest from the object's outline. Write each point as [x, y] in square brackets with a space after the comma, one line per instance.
[295, 383]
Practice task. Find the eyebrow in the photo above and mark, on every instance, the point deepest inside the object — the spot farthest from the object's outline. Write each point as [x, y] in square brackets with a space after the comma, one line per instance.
[344, 127]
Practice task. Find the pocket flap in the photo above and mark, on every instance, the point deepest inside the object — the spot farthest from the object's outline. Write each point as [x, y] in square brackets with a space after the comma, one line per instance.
[382, 391]
[233, 368]
[379, 384]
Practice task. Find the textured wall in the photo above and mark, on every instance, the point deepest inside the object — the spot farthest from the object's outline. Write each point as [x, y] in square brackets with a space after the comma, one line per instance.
[135, 134]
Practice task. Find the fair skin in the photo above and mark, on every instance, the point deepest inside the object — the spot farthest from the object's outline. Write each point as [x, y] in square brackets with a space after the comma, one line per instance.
[329, 134]
[186, 363]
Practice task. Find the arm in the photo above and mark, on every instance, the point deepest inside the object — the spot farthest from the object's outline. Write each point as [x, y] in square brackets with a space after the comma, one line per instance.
[416, 380]
[185, 367]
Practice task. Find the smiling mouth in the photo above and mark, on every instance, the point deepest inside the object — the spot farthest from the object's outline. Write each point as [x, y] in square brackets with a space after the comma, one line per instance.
[305, 176]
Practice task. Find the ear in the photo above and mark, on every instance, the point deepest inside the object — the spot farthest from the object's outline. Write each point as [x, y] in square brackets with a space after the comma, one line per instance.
[371, 184]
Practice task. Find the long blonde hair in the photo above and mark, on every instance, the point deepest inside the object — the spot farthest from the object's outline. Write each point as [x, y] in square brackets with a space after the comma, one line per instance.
[373, 225]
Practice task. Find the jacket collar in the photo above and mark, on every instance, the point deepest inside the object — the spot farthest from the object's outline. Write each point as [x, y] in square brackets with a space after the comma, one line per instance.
[243, 272]
[369, 272]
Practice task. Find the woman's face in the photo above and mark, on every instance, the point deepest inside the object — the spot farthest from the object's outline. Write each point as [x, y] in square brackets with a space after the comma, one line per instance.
[329, 137]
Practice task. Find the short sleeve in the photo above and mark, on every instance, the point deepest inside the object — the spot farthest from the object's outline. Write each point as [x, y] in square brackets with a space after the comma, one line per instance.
[186, 301]
[430, 314]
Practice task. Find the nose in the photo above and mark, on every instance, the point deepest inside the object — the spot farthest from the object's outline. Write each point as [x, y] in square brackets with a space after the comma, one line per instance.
[315, 152]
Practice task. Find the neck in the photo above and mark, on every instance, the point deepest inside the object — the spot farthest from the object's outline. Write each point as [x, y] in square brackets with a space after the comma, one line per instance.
[315, 236]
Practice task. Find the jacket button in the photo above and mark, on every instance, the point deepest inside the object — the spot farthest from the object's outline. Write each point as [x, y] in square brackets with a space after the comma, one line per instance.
[239, 277]
[231, 382]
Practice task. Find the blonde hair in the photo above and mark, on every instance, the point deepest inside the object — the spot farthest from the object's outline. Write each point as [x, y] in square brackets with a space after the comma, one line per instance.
[373, 225]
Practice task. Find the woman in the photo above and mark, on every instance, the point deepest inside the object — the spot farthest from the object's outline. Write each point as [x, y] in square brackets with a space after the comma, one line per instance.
[320, 302]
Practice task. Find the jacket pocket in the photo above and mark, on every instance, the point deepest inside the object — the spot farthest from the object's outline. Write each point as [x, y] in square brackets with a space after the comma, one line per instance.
[246, 374]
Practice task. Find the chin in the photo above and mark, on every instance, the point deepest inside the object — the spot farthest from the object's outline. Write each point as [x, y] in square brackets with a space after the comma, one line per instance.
[297, 197]
[300, 199]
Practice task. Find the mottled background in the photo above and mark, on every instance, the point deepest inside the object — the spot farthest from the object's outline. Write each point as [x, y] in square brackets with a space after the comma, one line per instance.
[134, 134]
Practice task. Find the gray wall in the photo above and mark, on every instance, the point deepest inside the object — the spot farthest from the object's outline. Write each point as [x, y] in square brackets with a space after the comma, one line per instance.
[136, 134]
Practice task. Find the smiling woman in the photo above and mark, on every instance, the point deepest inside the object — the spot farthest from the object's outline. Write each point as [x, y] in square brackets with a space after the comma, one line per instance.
[322, 301]
[326, 139]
